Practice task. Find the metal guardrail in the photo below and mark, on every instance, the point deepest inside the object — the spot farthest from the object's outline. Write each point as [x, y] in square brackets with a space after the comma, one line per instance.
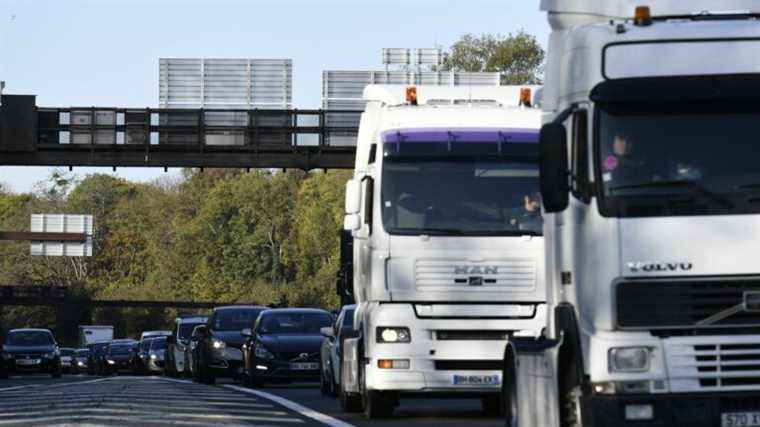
[160, 137]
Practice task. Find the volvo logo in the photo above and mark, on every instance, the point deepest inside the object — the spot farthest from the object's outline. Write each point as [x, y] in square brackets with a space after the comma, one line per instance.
[652, 267]
[476, 269]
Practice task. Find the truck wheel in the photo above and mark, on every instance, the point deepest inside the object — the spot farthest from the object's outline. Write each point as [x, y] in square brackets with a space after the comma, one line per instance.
[377, 405]
[509, 390]
[349, 403]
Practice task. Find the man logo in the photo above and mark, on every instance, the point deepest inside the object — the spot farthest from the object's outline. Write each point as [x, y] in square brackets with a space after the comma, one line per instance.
[303, 356]
[476, 269]
[475, 281]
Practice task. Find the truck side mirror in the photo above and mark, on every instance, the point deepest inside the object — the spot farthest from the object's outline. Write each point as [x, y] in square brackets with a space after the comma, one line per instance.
[353, 197]
[352, 222]
[553, 169]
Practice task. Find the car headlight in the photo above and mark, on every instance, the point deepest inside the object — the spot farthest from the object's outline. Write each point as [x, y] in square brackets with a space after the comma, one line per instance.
[50, 355]
[393, 335]
[629, 359]
[111, 362]
[218, 344]
[7, 356]
[153, 357]
[263, 353]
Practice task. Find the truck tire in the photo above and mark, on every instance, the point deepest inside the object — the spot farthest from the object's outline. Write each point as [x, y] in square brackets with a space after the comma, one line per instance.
[349, 403]
[377, 405]
[569, 392]
[509, 389]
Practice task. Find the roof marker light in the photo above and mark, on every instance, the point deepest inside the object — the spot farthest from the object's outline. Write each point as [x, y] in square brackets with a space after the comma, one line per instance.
[642, 17]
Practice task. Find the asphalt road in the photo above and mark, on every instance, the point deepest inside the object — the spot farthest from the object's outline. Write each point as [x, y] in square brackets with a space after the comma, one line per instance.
[126, 400]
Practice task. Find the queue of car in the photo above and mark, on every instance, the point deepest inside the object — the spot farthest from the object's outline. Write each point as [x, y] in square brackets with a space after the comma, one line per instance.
[254, 345]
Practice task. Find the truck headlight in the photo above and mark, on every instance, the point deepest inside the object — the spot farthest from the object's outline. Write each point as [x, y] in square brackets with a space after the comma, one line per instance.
[263, 353]
[629, 359]
[393, 335]
[218, 344]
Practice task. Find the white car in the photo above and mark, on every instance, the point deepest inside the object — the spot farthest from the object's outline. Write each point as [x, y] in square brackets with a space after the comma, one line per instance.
[156, 355]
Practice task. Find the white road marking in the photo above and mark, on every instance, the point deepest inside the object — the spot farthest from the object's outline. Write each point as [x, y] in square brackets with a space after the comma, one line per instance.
[293, 406]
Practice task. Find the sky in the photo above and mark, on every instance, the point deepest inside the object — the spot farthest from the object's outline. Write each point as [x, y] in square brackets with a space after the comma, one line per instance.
[105, 52]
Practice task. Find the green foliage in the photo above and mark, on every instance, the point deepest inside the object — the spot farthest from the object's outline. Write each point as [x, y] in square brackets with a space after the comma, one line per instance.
[221, 235]
[517, 57]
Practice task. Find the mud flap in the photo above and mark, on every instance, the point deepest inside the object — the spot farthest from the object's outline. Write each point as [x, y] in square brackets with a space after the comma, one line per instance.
[536, 367]
[349, 370]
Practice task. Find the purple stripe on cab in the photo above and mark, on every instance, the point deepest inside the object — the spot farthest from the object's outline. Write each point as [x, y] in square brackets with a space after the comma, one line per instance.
[508, 135]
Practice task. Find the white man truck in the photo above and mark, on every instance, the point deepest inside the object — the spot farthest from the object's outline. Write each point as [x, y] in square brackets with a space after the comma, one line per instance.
[89, 334]
[651, 186]
[447, 246]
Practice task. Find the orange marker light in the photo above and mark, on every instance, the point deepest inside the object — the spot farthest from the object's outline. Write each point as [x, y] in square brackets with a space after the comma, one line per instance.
[385, 364]
[525, 96]
[411, 95]
[643, 16]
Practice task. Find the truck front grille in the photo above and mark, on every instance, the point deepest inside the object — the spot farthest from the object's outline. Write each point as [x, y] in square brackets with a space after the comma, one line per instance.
[713, 363]
[682, 303]
[518, 274]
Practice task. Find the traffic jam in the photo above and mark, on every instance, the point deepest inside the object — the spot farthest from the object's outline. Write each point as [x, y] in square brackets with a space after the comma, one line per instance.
[579, 251]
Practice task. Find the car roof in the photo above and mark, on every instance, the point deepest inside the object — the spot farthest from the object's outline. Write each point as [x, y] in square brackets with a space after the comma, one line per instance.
[296, 310]
[31, 330]
[191, 319]
[234, 307]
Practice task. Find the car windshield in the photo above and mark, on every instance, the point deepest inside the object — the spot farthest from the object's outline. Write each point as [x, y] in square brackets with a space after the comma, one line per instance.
[145, 344]
[29, 338]
[234, 319]
[119, 349]
[688, 160]
[186, 330]
[66, 352]
[158, 344]
[82, 353]
[458, 186]
[294, 323]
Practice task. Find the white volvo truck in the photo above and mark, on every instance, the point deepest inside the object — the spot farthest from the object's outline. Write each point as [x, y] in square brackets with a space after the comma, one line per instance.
[447, 246]
[650, 176]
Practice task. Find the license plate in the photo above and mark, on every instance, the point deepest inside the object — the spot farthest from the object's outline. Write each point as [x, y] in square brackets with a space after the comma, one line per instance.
[740, 419]
[477, 380]
[304, 366]
[26, 362]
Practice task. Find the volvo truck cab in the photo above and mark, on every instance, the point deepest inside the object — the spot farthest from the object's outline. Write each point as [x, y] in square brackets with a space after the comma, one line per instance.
[649, 177]
[445, 218]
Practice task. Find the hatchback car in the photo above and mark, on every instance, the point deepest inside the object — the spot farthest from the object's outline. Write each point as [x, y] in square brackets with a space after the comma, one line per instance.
[284, 346]
[30, 351]
[116, 357]
[67, 359]
[156, 354]
[218, 350]
[81, 356]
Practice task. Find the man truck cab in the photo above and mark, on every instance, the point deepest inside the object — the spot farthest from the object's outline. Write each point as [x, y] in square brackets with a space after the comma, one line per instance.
[448, 253]
[649, 177]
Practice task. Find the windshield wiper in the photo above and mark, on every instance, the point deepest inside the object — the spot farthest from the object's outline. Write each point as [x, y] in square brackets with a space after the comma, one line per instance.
[439, 231]
[695, 189]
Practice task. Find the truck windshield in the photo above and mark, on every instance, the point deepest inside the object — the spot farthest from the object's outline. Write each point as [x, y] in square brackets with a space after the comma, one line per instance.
[688, 160]
[460, 195]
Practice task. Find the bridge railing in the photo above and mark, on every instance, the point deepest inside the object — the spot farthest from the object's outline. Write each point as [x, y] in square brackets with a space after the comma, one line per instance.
[160, 137]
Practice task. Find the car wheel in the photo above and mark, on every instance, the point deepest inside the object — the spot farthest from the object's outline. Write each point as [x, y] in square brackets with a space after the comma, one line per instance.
[56, 373]
[3, 374]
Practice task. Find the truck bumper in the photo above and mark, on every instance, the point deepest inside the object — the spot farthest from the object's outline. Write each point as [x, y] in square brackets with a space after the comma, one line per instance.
[682, 409]
[445, 355]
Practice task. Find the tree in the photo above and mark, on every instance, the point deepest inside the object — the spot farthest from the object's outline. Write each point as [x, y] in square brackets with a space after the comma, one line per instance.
[518, 58]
